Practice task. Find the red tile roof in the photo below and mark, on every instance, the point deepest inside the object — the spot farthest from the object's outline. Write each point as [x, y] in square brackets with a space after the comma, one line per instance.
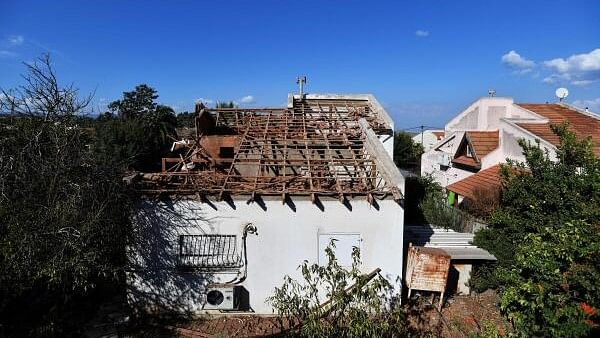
[581, 124]
[484, 142]
[468, 161]
[487, 178]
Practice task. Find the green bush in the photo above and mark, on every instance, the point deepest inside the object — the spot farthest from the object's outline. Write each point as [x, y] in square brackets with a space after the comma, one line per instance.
[64, 220]
[416, 189]
[356, 307]
[64, 227]
[407, 153]
[556, 276]
[545, 237]
[437, 212]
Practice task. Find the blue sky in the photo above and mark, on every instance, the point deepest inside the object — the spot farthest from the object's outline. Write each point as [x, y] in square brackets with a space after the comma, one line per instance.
[424, 60]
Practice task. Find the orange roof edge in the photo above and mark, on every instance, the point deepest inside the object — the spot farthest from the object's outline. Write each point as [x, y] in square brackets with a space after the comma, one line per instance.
[487, 178]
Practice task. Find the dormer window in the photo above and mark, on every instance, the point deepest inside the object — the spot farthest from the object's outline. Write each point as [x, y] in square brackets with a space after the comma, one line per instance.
[470, 152]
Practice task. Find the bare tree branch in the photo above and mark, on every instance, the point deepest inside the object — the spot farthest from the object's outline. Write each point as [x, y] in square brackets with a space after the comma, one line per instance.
[41, 95]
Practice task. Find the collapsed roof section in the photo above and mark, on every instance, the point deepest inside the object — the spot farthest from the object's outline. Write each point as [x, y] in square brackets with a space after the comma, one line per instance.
[320, 145]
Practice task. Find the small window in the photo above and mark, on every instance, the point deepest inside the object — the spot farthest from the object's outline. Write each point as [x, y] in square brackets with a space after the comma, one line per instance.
[226, 152]
[470, 152]
[344, 243]
[211, 252]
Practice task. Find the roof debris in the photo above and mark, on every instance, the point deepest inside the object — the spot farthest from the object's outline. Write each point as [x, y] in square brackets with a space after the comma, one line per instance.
[316, 146]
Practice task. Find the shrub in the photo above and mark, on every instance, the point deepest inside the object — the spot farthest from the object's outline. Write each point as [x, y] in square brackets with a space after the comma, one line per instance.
[357, 306]
[545, 237]
[416, 189]
[553, 289]
[483, 204]
[63, 214]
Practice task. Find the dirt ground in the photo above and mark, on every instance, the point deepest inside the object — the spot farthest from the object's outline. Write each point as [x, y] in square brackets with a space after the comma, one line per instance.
[465, 316]
[461, 316]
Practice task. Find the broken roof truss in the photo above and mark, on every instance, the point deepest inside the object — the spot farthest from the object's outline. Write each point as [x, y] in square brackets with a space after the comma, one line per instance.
[314, 148]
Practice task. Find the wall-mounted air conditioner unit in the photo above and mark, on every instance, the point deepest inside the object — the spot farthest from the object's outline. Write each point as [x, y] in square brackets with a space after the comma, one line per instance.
[226, 297]
[444, 159]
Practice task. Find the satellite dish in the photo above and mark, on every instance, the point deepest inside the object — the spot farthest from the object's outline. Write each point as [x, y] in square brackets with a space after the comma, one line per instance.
[562, 93]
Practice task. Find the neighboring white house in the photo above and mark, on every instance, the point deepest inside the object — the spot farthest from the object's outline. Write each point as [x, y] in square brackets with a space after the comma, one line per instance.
[257, 192]
[486, 133]
[428, 138]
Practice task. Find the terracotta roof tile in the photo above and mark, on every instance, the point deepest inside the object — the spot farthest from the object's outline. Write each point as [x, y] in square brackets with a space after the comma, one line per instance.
[582, 125]
[484, 142]
[465, 160]
[487, 178]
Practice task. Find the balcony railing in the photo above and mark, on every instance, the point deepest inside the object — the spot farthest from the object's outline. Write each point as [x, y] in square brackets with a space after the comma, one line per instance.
[209, 252]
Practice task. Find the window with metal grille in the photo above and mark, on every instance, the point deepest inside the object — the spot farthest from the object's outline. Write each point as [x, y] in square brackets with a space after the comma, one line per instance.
[210, 252]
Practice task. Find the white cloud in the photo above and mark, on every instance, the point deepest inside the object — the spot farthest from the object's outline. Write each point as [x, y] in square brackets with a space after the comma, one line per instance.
[247, 99]
[582, 83]
[516, 61]
[559, 65]
[578, 69]
[16, 40]
[205, 101]
[7, 54]
[593, 104]
[421, 33]
[586, 62]
[557, 78]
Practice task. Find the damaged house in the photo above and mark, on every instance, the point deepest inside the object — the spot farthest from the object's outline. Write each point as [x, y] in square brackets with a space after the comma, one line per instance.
[255, 192]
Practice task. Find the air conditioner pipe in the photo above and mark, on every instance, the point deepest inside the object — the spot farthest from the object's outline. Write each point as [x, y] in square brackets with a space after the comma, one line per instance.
[249, 228]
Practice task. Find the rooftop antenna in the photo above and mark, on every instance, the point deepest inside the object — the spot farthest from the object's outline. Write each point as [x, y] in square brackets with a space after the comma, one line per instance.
[491, 92]
[301, 81]
[561, 93]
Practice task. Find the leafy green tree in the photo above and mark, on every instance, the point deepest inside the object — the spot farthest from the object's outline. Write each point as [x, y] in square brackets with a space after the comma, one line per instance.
[545, 237]
[422, 194]
[186, 119]
[136, 103]
[543, 192]
[138, 132]
[63, 215]
[407, 153]
[226, 104]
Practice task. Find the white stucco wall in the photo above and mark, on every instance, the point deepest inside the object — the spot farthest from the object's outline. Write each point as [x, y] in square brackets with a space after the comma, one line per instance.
[485, 114]
[430, 161]
[285, 238]
[443, 175]
[427, 139]
[510, 135]
[388, 144]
